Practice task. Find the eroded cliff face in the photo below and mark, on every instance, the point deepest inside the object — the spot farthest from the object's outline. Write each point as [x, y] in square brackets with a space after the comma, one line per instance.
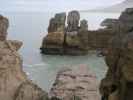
[118, 82]
[77, 83]
[14, 84]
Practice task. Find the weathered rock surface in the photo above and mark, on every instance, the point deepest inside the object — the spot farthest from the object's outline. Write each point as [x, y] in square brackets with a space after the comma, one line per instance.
[118, 82]
[126, 18]
[57, 24]
[14, 84]
[78, 83]
[109, 23]
[53, 43]
[61, 40]
[84, 25]
[73, 21]
[4, 24]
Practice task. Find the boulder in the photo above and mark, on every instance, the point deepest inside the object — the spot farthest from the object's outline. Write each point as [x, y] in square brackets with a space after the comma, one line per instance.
[57, 24]
[77, 83]
[4, 24]
[73, 21]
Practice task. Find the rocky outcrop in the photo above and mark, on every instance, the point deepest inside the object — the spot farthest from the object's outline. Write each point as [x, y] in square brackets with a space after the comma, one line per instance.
[84, 25]
[110, 23]
[53, 43]
[14, 84]
[77, 83]
[118, 82]
[3, 27]
[57, 24]
[73, 21]
[61, 40]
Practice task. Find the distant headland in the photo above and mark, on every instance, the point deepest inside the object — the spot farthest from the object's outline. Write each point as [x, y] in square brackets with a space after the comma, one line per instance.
[114, 8]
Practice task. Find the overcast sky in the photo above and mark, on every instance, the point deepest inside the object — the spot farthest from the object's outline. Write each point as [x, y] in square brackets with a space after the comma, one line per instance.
[53, 5]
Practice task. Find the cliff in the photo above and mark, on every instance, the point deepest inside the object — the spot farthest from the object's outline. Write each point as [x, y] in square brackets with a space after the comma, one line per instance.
[14, 84]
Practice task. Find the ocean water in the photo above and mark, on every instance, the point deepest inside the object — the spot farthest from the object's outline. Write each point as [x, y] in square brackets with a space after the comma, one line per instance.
[30, 28]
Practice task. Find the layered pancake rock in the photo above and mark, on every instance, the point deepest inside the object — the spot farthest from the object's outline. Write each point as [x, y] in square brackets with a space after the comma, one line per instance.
[14, 84]
[77, 83]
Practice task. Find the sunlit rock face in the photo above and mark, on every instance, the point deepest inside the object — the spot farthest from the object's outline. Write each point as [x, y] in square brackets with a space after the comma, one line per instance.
[77, 83]
[14, 84]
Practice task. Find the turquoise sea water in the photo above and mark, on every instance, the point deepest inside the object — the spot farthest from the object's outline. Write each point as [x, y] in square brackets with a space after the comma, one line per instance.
[30, 28]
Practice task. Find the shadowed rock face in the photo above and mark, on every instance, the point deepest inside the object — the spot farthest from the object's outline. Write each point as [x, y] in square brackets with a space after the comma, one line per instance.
[118, 82]
[73, 21]
[3, 27]
[14, 84]
[78, 83]
[127, 19]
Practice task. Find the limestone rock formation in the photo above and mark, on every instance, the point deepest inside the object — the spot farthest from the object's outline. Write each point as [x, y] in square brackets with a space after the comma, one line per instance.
[14, 84]
[126, 18]
[77, 83]
[73, 21]
[53, 43]
[110, 23]
[84, 25]
[61, 40]
[118, 82]
[4, 24]
[57, 24]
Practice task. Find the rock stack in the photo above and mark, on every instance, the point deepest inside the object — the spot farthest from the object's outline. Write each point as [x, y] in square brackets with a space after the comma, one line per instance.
[77, 83]
[14, 84]
[63, 39]
[118, 82]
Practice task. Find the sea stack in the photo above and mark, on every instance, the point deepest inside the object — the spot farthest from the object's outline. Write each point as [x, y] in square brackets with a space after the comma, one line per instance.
[14, 84]
[65, 40]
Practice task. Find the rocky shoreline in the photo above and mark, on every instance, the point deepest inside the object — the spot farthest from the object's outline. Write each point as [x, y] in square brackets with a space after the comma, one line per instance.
[78, 83]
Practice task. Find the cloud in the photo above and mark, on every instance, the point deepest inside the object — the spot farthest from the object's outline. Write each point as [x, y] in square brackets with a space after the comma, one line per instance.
[53, 5]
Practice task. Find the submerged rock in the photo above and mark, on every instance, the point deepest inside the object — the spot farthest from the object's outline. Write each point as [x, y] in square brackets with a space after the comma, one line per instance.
[14, 84]
[77, 83]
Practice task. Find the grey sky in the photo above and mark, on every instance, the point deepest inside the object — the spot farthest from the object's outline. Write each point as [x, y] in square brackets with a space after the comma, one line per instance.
[53, 5]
